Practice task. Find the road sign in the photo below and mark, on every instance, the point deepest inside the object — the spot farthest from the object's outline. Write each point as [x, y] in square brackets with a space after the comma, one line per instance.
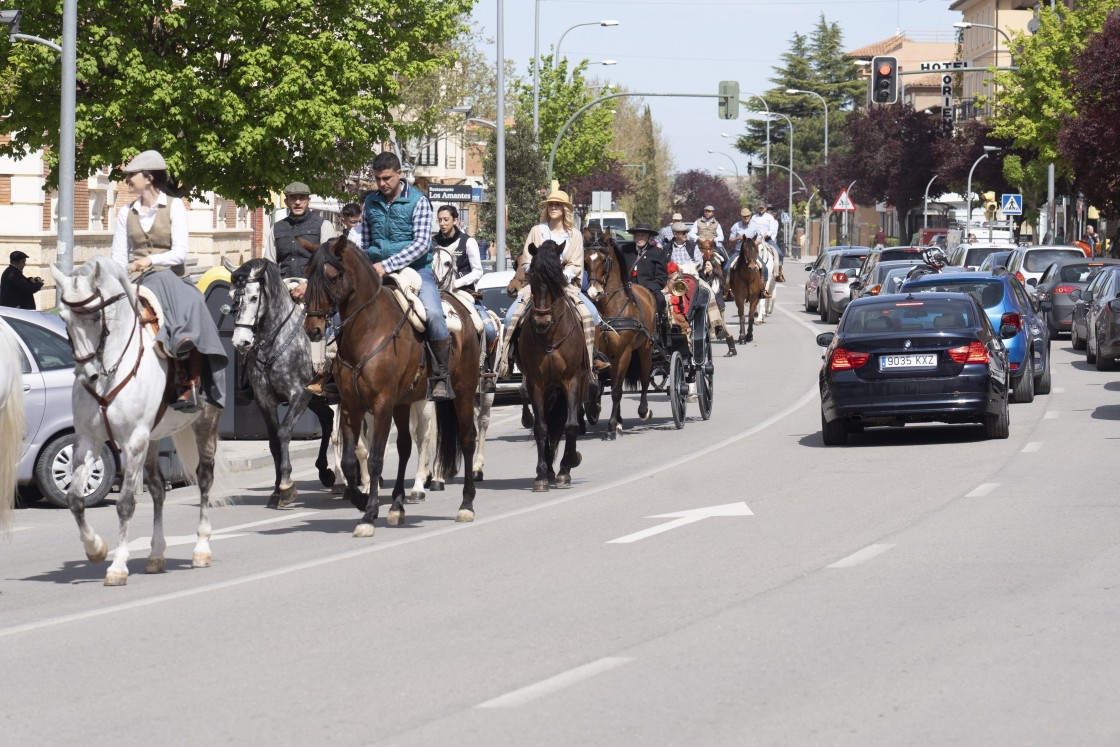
[844, 203]
[785, 217]
[1012, 205]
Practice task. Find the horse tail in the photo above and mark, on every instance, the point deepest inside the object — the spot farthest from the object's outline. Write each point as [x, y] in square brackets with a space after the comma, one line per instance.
[447, 439]
[12, 429]
[633, 377]
[186, 446]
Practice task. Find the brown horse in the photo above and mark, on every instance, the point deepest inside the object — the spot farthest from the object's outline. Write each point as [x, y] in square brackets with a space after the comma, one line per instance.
[381, 369]
[628, 321]
[552, 358]
[714, 276]
[746, 287]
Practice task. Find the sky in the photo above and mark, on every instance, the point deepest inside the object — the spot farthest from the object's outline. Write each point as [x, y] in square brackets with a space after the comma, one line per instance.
[676, 46]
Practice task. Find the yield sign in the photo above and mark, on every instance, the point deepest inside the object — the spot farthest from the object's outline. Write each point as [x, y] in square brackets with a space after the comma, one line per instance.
[844, 203]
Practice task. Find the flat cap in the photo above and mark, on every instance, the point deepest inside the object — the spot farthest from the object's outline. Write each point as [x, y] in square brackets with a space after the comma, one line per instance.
[17, 256]
[297, 188]
[677, 216]
[679, 227]
[149, 160]
[710, 207]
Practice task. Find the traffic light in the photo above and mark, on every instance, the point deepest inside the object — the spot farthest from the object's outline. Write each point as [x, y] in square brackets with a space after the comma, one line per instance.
[750, 168]
[990, 205]
[884, 80]
[729, 99]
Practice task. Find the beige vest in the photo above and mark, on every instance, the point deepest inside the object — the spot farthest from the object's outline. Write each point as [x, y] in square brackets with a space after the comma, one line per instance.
[155, 241]
[707, 229]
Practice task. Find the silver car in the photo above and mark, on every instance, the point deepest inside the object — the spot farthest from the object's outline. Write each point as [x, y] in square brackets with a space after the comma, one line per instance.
[835, 291]
[48, 379]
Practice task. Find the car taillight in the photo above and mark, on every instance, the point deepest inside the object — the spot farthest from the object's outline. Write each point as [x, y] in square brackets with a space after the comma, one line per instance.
[974, 352]
[1013, 318]
[839, 277]
[1022, 279]
[1063, 289]
[845, 360]
[875, 290]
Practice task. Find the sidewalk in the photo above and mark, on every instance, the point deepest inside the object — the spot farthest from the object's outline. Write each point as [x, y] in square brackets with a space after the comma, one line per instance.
[245, 456]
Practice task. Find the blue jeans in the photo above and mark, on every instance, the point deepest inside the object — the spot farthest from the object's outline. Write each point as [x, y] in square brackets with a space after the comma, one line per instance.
[586, 302]
[433, 306]
[487, 323]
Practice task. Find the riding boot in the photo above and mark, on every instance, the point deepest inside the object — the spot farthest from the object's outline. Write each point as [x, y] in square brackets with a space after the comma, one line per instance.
[439, 387]
[190, 376]
[322, 384]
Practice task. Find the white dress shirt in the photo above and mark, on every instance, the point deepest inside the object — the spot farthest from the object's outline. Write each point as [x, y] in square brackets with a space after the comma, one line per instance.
[180, 236]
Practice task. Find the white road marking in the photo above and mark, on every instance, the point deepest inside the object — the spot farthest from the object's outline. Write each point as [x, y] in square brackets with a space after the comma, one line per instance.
[555, 684]
[861, 556]
[1032, 447]
[262, 522]
[145, 543]
[982, 490]
[1051, 414]
[1058, 390]
[682, 518]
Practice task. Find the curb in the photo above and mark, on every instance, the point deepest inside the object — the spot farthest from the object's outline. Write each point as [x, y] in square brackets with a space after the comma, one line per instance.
[296, 451]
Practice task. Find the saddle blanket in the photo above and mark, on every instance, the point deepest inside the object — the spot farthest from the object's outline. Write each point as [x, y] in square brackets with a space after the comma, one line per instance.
[405, 286]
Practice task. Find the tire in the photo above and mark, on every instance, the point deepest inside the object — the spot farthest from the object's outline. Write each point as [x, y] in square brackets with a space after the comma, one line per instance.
[27, 495]
[1042, 381]
[705, 391]
[53, 470]
[1090, 356]
[1024, 387]
[834, 433]
[998, 426]
[678, 390]
[1104, 363]
[1077, 342]
[833, 315]
[822, 308]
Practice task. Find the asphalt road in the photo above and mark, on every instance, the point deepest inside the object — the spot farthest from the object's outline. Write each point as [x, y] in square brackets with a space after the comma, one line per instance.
[920, 586]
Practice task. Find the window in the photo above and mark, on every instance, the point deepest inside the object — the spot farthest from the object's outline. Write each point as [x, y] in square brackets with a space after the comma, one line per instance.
[51, 351]
[427, 153]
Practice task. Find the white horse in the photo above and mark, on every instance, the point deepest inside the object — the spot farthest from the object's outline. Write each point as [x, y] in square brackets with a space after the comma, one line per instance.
[768, 257]
[120, 398]
[11, 420]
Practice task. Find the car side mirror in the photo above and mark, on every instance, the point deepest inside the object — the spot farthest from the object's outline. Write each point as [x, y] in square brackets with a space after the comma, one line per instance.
[1032, 281]
[1007, 331]
[1114, 304]
[1086, 296]
[856, 285]
[824, 339]
[1075, 294]
[808, 268]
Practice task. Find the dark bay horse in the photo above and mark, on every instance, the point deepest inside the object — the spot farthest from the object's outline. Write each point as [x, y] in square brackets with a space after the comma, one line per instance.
[553, 359]
[628, 313]
[381, 368]
[746, 287]
[268, 332]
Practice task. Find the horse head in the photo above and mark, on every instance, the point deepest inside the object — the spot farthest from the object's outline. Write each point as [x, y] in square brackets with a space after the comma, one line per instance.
[443, 267]
[249, 299]
[597, 261]
[707, 247]
[333, 276]
[546, 281]
[89, 306]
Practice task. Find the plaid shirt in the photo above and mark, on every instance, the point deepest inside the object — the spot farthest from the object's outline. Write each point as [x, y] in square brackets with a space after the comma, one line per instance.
[422, 222]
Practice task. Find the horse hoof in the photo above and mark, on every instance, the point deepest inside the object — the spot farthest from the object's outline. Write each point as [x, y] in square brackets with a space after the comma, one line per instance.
[100, 551]
[395, 518]
[338, 488]
[416, 496]
[647, 415]
[609, 435]
[563, 481]
[282, 497]
[327, 478]
[155, 565]
[200, 560]
[618, 429]
[464, 515]
[437, 486]
[363, 530]
[540, 486]
[478, 476]
[742, 339]
[116, 578]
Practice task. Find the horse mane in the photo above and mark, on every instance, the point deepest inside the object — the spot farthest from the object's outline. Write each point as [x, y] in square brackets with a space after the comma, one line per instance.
[620, 266]
[107, 266]
[547, 268]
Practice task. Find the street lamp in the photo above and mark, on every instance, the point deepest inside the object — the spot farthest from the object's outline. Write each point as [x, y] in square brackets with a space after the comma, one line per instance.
[824, 102]
[537, 61]
[500, 142]
[962, 25]
[925, 203]
[605, 63]
[789, 123]
[556, 51]
[988, 150]
[729, 158]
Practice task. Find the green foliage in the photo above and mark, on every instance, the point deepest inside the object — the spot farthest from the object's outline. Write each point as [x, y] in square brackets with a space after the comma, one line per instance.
[646, 199]
[525, 187]
[242, 97]
[587, 143]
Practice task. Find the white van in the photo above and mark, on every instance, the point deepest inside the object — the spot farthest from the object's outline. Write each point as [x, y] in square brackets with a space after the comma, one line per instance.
[615, 220]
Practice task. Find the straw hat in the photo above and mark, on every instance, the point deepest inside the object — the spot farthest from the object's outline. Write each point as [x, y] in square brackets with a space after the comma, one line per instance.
[558, 195]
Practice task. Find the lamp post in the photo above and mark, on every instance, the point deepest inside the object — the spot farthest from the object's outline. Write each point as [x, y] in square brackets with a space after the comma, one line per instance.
[789, 123]
[729, 158]
[555, 56]
[849, 191]
[824, 102]
[988, 150]
[605, 63]
[925, 203]
[962, 25]
[556, 52]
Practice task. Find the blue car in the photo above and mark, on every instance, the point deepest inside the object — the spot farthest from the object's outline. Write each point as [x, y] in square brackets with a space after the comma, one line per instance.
[1011, 312]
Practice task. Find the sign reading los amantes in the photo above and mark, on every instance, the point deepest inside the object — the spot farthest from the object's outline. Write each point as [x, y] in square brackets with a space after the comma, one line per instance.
[946, 86]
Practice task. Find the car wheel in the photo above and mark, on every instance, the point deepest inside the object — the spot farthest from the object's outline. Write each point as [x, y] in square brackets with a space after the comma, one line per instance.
[1090, 356]
[28, 495]
[998, 426]
[55, 467]
[834, 433]
[822, 308]
[1075, 339]
[1042, 382]
[1104, 363]
[1024, 387]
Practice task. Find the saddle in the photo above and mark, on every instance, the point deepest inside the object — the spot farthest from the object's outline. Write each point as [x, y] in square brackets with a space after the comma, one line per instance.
[151, 315]
[405, 287]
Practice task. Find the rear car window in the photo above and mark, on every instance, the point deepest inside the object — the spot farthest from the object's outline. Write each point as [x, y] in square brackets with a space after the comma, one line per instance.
[849, 261]
[1080, 273]
[900, 253]
[51, 351]
[910, 316]
[1040, 259]
[988, 293]
[976, 255]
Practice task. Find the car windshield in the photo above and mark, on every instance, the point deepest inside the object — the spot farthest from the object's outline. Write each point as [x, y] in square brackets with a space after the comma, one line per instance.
[977, 254]
[51, 351]
[848, 261]
[1080, 273]
[883, 268]
[1040, 259]
[909, 316]
[903, 252]
[988, 292]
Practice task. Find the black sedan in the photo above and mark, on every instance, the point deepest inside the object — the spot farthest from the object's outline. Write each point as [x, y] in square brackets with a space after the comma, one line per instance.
[1061, 279]
[932, 357]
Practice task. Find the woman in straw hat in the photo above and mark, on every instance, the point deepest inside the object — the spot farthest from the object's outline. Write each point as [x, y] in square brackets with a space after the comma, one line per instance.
[556, 225]
[151, 239]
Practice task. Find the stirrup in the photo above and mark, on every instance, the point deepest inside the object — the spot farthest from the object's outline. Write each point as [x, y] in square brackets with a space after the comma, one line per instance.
[437, 395]
[190, 404]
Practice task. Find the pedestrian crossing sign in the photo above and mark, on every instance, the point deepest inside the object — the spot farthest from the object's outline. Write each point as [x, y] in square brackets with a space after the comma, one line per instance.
[1012, 205]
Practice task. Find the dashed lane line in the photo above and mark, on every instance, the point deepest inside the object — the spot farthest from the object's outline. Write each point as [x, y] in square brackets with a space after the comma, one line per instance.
[1051, 415]
[982, 490]
[556, 683]
[861, 556]
[1032, 447]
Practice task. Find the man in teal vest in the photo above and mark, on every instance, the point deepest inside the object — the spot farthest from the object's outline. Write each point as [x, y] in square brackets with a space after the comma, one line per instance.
[397, 227]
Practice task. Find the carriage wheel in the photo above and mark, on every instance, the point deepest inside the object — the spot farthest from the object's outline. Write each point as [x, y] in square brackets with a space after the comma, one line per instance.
[706, 385]
[678, 389]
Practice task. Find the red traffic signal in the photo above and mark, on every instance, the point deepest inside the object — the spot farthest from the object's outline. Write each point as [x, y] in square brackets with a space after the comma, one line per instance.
[884, 80]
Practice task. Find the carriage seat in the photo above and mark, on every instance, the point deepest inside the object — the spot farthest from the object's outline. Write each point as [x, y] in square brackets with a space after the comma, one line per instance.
[405, 287]
[151, 315]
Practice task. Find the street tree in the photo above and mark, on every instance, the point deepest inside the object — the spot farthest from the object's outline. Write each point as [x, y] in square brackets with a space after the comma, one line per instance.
[694, 189]
[645, 154]
[239, 97]
[526, 180]
[609, 177]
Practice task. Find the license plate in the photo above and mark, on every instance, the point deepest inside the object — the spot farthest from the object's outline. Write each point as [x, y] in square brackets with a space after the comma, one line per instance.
[910, 360]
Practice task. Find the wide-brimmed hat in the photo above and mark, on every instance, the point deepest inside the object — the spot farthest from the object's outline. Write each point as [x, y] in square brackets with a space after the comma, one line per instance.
[644, 228]
[677, 216]
[558, 195]
[149, 160]
[679, 227]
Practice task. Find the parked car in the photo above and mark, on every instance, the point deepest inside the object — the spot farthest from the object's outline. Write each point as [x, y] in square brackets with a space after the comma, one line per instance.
[46, 466]
[971, 256]
[492, 285]
[1008, 306]
[1058, 281]
[834, 292]
[875, 256]
[816, 270]
[900, 359]
[1027, 263]
[995, 261]
[1098, 308]
[876, 280]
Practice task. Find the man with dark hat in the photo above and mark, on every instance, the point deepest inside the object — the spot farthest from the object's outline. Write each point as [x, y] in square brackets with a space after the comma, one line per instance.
[16, 290]
[646, 263]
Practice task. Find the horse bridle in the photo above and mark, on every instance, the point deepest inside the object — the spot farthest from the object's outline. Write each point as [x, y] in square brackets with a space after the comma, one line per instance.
[258, 339]
[332, 308]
